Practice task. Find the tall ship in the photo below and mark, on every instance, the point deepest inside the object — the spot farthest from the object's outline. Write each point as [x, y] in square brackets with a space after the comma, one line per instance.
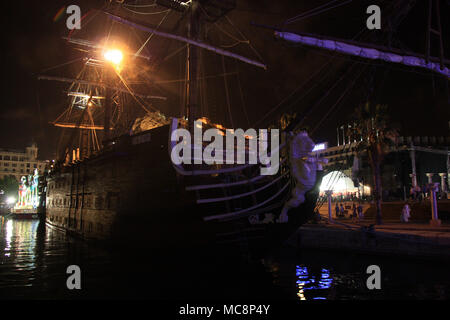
[114, 177]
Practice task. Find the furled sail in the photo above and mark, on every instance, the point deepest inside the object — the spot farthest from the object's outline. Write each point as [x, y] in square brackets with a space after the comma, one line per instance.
[363, 52]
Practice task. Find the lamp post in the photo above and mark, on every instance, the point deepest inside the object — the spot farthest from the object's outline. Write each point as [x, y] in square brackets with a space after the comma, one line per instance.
[443, 184]
[413, 175]
[434, 187]
[329, 193]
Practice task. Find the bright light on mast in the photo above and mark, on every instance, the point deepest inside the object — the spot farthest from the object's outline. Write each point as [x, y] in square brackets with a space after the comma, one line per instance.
[114, 56]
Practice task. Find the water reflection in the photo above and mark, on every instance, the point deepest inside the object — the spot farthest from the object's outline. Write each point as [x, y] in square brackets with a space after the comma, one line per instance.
[17, 251]
[319, 282]
[34, 259]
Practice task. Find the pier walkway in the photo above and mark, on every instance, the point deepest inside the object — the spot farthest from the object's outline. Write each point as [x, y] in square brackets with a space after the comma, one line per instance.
[417, 238]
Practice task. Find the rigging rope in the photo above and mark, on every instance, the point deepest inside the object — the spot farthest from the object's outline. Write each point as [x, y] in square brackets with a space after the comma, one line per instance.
[175, 52]
[230, 35]
[140, 5]
[338, 100]
[312, 12]
[295, 91]
[226, 92]
[242, 94]
[198, 78]
[133, 95]
[146, 13]
[308, 112]
[243, 36]
[61, 65]
[151, 34]
[238, 41]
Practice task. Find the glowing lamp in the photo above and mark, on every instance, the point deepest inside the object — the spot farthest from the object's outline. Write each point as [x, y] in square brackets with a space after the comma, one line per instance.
[11, 200]
[114, 56]
[320, 146]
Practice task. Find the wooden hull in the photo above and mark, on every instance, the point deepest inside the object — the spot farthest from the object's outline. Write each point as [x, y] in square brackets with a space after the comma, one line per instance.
[132, 194]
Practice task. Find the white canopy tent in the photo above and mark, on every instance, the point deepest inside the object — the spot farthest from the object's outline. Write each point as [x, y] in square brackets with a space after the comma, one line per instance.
[340, 183]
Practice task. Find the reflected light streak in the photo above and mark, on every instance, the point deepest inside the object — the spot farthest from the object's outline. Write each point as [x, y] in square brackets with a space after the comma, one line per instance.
[308, 282]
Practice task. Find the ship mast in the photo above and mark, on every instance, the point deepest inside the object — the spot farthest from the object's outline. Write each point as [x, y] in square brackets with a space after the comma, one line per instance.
[192, 64]
[195, 12]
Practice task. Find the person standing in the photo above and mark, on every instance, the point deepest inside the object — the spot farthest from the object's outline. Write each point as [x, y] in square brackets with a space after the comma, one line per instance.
[341, 209]
[360, 211]
[337, 209]
[406, 213]
[354, 215]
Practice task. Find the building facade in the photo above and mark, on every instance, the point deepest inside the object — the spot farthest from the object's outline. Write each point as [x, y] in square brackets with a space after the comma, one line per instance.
[18, 163]
[410, 163]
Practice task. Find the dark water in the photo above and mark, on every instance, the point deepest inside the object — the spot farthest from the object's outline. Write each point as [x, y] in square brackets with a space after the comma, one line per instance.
[34, 259]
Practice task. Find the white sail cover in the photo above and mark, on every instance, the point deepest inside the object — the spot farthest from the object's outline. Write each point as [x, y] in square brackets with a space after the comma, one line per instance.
[364, 52]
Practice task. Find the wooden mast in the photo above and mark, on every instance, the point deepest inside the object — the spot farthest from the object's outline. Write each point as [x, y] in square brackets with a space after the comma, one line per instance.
[107, 110]
[192, 65]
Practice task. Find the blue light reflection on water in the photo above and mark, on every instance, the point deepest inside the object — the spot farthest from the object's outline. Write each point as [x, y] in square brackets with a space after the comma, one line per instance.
[320, 281]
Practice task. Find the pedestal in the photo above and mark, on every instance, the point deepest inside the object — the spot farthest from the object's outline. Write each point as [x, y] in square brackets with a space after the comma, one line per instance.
[434, 187]
[435, 223]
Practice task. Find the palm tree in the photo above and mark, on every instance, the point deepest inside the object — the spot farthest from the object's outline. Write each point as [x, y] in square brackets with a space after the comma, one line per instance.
[372, 128]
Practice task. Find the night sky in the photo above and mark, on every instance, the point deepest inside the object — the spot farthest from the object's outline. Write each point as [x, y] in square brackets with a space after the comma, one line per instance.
[33, 45]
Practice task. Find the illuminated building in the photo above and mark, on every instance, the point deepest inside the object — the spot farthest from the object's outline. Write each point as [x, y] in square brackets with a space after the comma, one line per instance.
[410, 161]
[18, 163]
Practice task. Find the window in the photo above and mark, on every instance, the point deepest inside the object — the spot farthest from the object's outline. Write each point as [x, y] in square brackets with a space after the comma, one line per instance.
[14, 165]
[6, 164]
[14, 158]
[28, 165]
[6, 158]
[1, 157]
[35, 166]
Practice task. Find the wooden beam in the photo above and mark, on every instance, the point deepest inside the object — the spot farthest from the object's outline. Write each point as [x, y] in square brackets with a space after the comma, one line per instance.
[99, 84]
[83, 95]
[81, 126]
[90, 44]
[187, 40]
[352, 42]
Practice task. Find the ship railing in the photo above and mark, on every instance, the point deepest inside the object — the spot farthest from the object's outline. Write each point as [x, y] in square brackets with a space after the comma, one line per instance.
[252, 209]
[242, 188]
[232, 168]
[237, 196]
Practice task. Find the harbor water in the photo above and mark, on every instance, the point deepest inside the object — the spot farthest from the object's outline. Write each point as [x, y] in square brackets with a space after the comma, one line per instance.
[34, 259]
